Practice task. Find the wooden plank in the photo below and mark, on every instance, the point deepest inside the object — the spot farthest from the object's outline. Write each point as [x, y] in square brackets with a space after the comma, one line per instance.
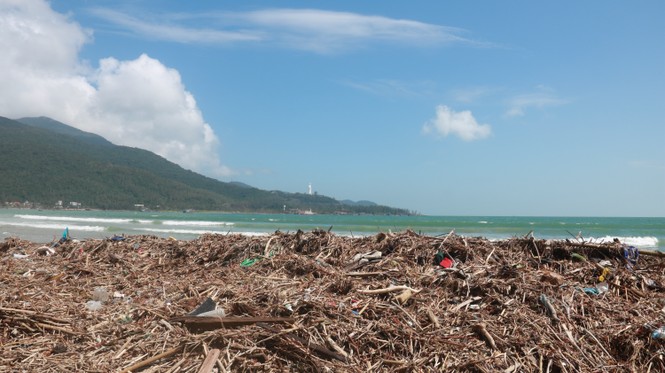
[210, 361]
[212, 323]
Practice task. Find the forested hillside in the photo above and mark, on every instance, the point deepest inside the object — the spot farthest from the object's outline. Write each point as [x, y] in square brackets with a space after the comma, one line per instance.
[44, 161]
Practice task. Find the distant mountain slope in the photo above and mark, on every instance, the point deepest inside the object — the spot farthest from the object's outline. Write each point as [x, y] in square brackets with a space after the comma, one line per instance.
[44, 161]
[55, 126]
[358, 203]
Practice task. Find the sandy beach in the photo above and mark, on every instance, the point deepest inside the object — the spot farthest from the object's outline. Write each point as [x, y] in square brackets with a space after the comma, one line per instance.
[316, 301]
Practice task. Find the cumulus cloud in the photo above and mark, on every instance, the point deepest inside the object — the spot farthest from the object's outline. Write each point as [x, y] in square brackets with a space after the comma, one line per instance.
[461, 124]
[314, 30]
[139, 102]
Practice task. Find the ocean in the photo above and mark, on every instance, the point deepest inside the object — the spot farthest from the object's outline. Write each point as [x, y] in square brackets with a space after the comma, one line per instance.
[45, 226]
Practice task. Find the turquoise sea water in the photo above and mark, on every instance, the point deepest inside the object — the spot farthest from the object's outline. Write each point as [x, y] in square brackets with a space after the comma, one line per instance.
[47, 225]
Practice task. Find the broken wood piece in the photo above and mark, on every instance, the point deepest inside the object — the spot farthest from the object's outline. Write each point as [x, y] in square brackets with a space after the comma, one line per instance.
[212, 323]
[389, 289]
[209, 361]
[551, 277]
[56, 328]
[433, 318]
[364, 274]
[313, 346]
[481, 330]
[466, 303]
[336, 347]
[404, 296]
[146, 362]
[33, 313]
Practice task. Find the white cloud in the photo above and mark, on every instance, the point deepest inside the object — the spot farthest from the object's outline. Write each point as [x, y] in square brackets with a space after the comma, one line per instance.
[139, 103]
[313, 30]
[168, 30]
[324, 31]
[518, 105]
[469, 95]
[461, 124]
[392, 87]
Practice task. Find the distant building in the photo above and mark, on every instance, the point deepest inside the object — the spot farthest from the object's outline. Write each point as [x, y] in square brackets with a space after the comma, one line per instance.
[75, 205]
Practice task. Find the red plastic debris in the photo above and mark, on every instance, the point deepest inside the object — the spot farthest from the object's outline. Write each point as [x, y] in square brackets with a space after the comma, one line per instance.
[446, 263]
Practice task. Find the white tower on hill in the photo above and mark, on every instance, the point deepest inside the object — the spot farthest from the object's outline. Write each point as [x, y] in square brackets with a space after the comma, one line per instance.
[309, 189]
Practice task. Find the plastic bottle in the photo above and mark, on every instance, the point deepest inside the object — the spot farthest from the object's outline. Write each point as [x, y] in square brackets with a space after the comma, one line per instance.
[658, 333]
[602, 287]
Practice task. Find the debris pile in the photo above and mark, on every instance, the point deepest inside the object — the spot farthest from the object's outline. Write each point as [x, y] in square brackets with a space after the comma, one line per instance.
[320, 302]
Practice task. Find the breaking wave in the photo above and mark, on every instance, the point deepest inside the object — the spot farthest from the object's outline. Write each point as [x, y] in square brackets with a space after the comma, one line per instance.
[75, 219]
[198, 231]
[87, 228]
[633, 241]
[197, 223]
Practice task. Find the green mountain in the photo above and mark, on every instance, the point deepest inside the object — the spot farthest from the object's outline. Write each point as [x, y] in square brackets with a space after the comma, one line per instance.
[44, 161]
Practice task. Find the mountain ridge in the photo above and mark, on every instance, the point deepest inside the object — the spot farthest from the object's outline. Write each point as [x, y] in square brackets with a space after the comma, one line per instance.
[46, 161]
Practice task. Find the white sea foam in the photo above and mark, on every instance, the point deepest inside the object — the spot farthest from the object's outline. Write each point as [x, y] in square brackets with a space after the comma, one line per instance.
[634, 241]
[179, 231]
[198, 231]
[69, 218]
[482, 222]
[87, 228]
[197, 223]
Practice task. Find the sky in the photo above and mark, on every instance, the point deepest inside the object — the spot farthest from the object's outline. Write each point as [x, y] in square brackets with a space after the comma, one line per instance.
[440, 107]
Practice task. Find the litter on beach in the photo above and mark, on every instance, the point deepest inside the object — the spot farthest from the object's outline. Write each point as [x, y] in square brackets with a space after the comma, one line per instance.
[315, 301]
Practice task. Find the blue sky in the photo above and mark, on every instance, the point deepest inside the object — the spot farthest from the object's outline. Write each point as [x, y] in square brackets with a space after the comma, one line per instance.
[446, 108]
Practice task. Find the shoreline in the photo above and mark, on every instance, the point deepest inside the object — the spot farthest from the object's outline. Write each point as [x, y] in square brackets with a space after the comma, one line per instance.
[316, 300]
[43, 226]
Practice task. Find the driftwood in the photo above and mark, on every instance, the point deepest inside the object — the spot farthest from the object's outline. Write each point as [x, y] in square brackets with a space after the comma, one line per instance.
[212, 323]
[611, 247]
[210, 361]
[291, 304]
[147, 362]
[389, 289]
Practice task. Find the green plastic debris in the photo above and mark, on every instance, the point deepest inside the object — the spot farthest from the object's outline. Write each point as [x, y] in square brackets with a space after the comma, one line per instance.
[249, 262]
[577, 257]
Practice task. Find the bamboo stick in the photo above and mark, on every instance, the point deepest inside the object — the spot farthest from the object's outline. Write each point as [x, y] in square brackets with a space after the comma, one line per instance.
[147, 362]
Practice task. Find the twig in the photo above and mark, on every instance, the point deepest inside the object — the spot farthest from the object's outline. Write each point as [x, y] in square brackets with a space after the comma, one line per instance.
[145, 363]
[465, 303]
[389, 289]
[336, 347]
[364, 274]
[481, 329]
[316, 347]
